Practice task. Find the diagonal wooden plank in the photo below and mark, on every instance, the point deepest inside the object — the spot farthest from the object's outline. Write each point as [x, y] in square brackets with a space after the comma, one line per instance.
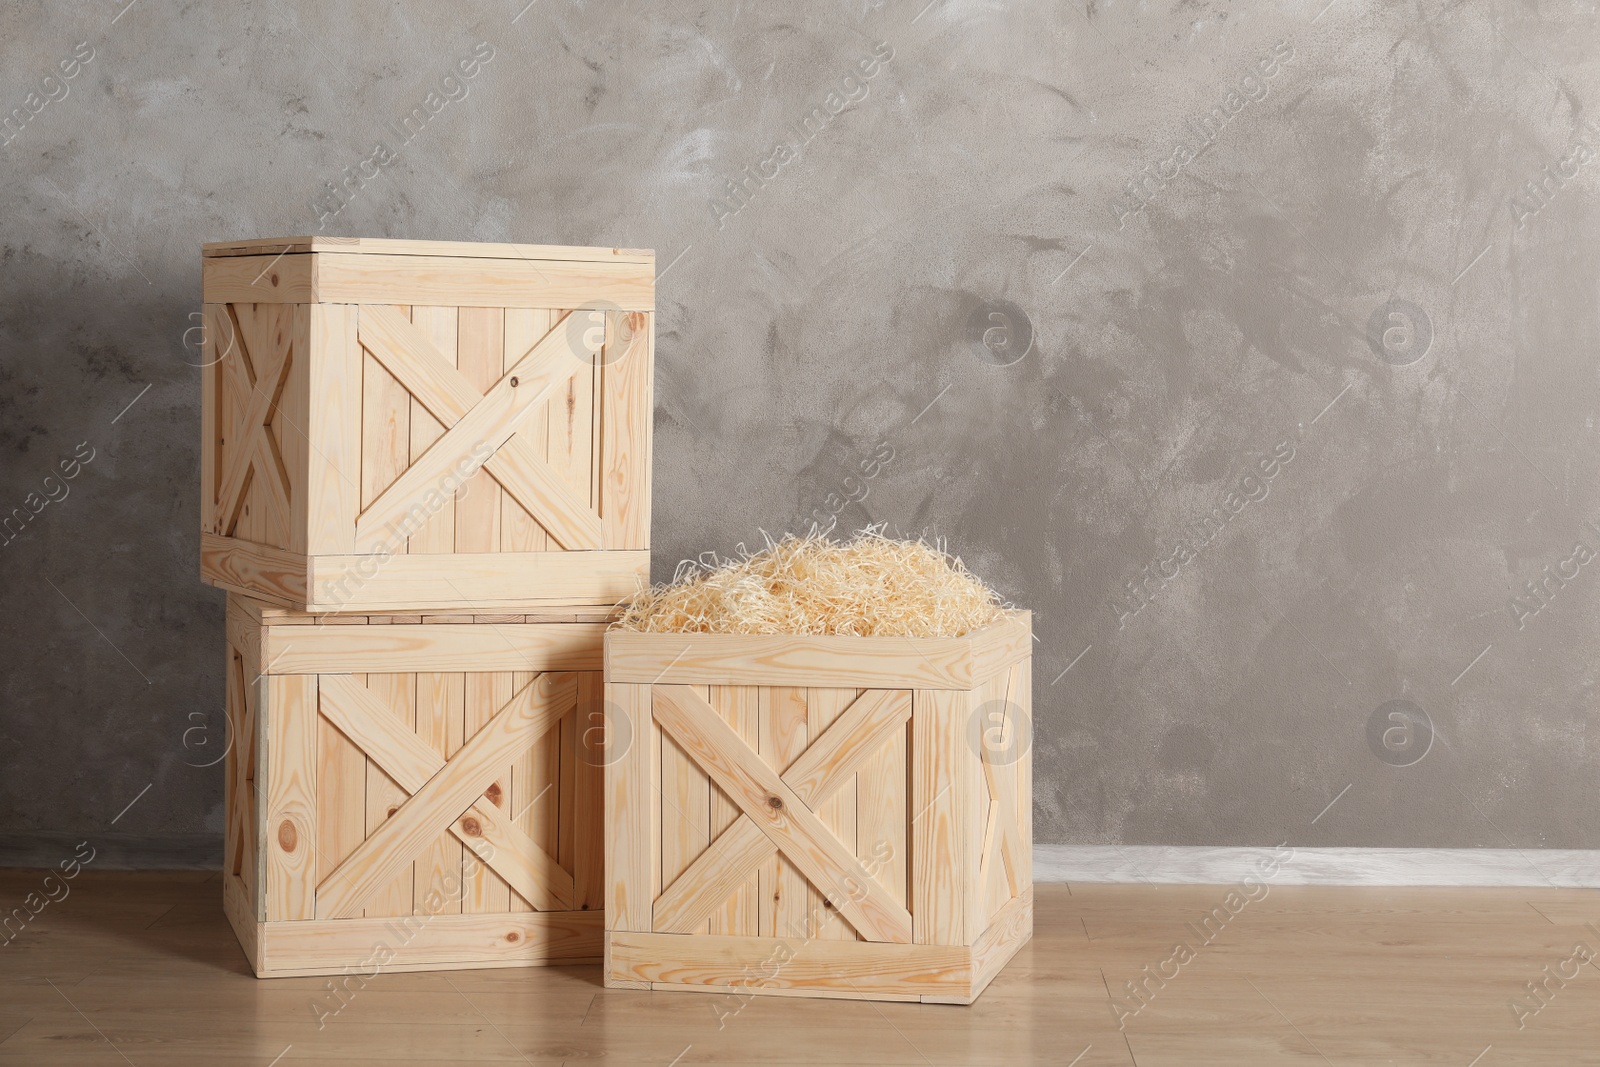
[780, 813]
[852, 739]
[408, 354]
[516, 857]
[374, 729]
[714, 874]
[528, 478]
[379, 859]
[411, 762]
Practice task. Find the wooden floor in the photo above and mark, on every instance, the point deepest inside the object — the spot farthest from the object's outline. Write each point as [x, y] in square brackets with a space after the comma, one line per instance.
[142, 969]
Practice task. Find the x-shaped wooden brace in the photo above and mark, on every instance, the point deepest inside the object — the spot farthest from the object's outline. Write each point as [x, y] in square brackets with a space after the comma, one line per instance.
[445, 791]
[258, 372]
[1000, 834]
[779, 811]
[472, 418]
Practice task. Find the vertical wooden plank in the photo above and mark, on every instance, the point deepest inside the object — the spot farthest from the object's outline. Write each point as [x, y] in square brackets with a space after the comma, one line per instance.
[1021, 690]
[482, 359]
[214, 340]
[535, 799]
[232, 772]
[384, 796]
[290, 752]
[838, 812]
[627, 409]
[589, 797]
[739, 706]
[441, 710]
[685, 812]
[940, 788]
[881, 816]
[632, 800]
[484, 891]
[565, 851]
[333, 425]
[341, 795]
[520, 531]
[438, 532]
[569, 425]
[785, 897]
[385, 434]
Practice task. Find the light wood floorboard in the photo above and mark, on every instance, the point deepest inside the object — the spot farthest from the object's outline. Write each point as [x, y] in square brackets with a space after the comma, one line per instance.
[143, 969]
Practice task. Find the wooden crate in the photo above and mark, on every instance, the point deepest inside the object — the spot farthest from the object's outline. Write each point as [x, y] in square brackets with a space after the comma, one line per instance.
[422, 425]
[818, 816]
[412, 793]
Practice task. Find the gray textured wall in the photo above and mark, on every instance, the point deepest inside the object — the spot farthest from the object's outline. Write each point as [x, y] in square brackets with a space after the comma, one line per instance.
[1332, 316]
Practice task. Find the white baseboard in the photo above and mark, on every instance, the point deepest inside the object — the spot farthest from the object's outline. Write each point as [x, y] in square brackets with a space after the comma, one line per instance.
[1170, 865]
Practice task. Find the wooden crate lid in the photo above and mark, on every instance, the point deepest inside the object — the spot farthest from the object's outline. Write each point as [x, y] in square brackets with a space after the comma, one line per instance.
[274, 246]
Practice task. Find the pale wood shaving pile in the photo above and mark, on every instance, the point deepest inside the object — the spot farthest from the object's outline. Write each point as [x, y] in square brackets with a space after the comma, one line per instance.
[869, 586]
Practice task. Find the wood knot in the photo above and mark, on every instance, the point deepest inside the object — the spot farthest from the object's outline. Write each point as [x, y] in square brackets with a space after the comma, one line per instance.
[392, 810]
[493, 793]
[775, 803]
[287, 837]
[513, 937]
[471, 827]
[273, 278]
[513, 381]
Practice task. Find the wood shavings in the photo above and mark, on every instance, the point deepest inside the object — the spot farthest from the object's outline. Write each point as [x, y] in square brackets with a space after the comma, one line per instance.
[869, 586]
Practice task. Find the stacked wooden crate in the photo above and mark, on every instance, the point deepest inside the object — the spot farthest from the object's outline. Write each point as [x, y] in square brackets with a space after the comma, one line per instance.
[425, 485]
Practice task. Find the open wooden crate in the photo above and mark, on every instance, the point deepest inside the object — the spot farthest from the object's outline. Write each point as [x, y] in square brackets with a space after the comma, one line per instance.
[412, 793]
[401, 426]
[818, 816]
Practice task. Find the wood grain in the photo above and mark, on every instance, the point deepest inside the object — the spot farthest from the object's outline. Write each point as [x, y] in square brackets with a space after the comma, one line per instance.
[478, 582]
[632, 767]
[627, 374]
[388, 849]
[289, 750]
[440, 647]
[941, 788]
[827, 864]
